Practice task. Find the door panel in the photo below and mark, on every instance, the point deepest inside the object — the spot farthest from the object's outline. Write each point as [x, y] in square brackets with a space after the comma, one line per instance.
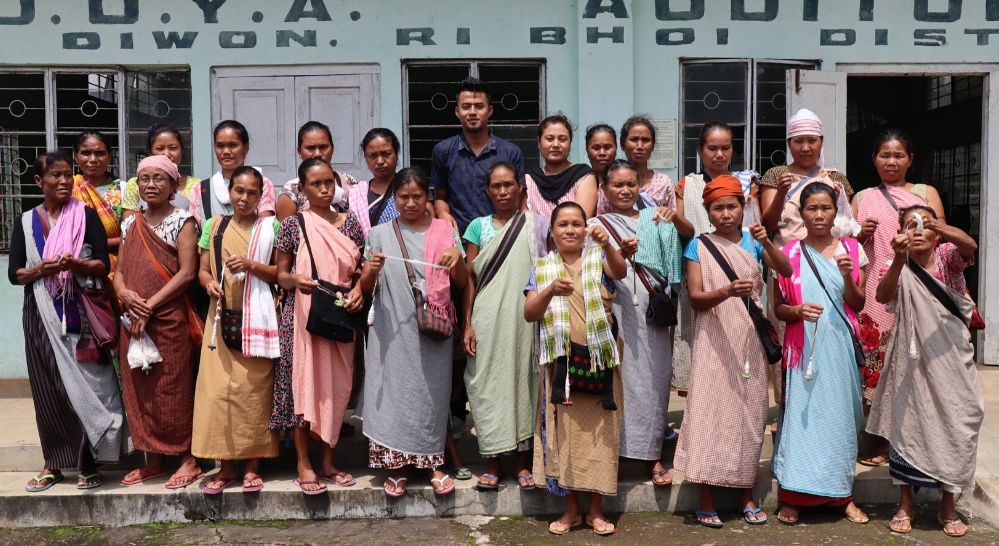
[267, 108]
[825, 94]
[988, 283]
[345, 104]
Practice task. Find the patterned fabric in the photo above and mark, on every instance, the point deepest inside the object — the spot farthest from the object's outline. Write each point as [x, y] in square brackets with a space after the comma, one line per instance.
[380, 456]
[554, 331]
[791, 226]
[537, 204]
[480, 231]
[167, 230]
[357, 198]
[903, 473]
[659, 246]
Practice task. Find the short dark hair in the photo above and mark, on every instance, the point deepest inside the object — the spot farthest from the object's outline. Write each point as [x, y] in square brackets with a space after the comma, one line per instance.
[502, 165]
[304, 167]
[708, 128]
[616, 165]
[889, 135]
[241, 133]
[158, 129]
[558, 118]
[45, 161]
[380, 132]
[592, 130]
[411, 175]
[635, 121]
[816, 188]
[89, 134]
[310, 126]
[473, 85]
[246, 170]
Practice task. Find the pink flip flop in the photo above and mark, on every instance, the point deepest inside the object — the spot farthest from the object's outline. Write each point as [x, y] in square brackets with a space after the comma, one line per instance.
[253, 488]
[206, 489]
[316, 481]
[331, 479]
[442, 492]
[395, 485]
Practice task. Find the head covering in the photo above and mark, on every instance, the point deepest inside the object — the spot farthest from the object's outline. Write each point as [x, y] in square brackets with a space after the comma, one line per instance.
[160, 162]
[804, 122]
[722, 186]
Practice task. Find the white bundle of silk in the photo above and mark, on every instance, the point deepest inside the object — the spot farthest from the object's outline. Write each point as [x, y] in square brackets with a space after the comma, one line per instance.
[142, 352]
[845, 225]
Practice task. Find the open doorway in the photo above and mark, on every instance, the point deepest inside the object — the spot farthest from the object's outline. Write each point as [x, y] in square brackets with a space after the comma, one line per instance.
[943, 115]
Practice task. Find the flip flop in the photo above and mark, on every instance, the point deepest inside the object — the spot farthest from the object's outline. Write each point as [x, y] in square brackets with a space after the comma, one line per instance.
[211, 491]
[136, 477]
[482, 486]
[698, 514]
[331, 479]
[662, 474]
[462, 474]
[526, 481]
[870, 461]
[50, 479]
[395, 486]
[860, 518]
[89, 481]
[185, 480]
[317, 481]
[951, 523]
[785, 519]
[755, 512]
[591, 522]
[253, 488]
[556, 528]
[444, 490]
[897, 522]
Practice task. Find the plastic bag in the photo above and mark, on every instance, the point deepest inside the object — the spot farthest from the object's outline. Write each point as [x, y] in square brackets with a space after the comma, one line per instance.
[142, 353]
[751, 213]
[844, 225]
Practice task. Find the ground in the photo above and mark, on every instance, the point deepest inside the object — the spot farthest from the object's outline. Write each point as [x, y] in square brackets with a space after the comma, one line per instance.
[634, 529]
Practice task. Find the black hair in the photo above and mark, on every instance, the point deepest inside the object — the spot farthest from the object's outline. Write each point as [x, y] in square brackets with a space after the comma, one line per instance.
[89, 134]
[410, 175]
[241, 133]
[304, 167]
[158, 129]
[45, 161]
[707, 128]
[473, 85]
[816, 188]
[557, 118]
[635, 121]
[616, 165]
[246, 170]
[310, 126]
[562, 206]
[502, 165]
[380, 132]
[889, 135]
[592, 130]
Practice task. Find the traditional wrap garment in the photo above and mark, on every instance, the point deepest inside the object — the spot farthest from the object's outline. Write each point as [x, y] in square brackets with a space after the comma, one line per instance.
[816, 445]
[358, 198]
[545, 192]
[106, 202]
[159, 403]
[501, 382]
[232, 401]
[876, 321]
[407, 382]
[929, 403]
[726, 413]
[648, 348]
[323, 369]
[77, 403]
[577, 445]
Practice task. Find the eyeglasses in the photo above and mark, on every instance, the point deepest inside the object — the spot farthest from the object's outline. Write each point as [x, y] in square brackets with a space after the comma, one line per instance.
[157, 179]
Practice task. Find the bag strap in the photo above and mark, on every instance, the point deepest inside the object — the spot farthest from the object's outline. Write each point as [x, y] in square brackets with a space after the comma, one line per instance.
[506, 245]
[376, 214]
[640, 269]
[149, 252]
[815, 271]
[891, 201]
[405, 256]
[308, 245]
[729, 272]
[934, 287]
[217, 244]
[206, 198]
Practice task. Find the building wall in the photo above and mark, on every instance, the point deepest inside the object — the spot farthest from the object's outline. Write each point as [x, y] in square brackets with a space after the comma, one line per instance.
[605, 58]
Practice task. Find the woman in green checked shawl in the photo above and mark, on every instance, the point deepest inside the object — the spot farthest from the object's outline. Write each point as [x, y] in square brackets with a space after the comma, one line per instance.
[577, 436]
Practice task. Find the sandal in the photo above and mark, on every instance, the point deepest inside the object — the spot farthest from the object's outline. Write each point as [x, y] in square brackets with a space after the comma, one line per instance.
[184, 480]
[347, 479]
[207, 488]
[784, 515]
[665, 478]
[558, 528]
[441, 491]
[858, 516]
[605, 527]
[526, 481]
[900, 524]
[712, 520]
[950, 527]
[874, 460]
[89, 481]
[397, 484]
[50, 479]
[318, 491]
[759, 518]
[485, 485]
[462, 474]
[249, 478]
[136, 477]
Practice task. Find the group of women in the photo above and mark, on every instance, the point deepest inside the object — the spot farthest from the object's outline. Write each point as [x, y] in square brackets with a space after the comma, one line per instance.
[630, 285]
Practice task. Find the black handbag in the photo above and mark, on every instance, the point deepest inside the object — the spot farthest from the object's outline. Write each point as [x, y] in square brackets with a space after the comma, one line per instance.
[230, 321]
[858, 348]
[581, 378]
[427, 322]
[765, 330]
[662, 308]
[328, 318]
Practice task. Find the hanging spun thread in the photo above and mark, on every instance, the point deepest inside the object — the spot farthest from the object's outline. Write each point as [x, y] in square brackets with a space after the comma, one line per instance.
[218, 313]
[416, 262]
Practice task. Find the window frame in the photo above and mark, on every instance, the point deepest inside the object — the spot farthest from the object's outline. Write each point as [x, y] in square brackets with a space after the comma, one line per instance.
[473, 72]
[749, 140]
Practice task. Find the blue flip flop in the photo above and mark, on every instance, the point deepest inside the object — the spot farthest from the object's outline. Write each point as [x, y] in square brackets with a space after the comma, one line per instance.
[711, 524]
[755, 512]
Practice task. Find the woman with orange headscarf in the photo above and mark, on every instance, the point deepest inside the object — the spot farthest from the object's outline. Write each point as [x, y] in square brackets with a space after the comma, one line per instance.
[727, 398]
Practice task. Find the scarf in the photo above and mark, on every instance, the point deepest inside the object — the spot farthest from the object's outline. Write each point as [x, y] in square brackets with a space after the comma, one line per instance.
[65, 238]
[260, 323]
[554, 331]
[659, 246]
[357, 199]
[790, 287]
[439, 237]
[553, 187]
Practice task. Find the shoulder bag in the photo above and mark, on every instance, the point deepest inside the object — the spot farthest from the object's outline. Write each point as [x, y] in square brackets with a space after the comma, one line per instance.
[230, 321]
[327, 317]
[427, 323]
[662, 307]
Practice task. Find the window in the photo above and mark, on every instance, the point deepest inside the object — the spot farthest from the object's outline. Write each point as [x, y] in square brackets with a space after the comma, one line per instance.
[747, 94]
[45, 109]
[946, 90]
[957, 175]
[518, 99]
